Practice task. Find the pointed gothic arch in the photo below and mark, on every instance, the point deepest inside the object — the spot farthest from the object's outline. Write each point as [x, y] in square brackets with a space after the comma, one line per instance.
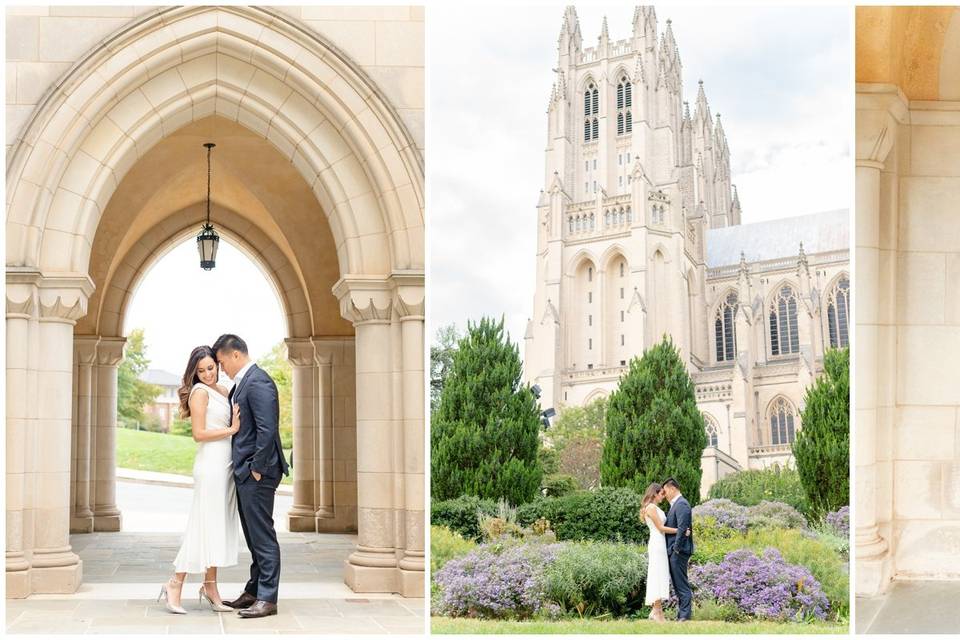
[783, 421]
[322, 113]
[782, 317]
[835, 308]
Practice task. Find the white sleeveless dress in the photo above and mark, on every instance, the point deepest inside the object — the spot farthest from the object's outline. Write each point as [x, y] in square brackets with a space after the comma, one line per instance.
[212, 538]
[658, 566]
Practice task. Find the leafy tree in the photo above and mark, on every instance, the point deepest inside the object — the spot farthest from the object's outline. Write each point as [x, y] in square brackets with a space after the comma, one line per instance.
[576, 437]
[822, 447]
[654, 428]
[133, 394]
[278, 366]
[441, 360]
[484, 432]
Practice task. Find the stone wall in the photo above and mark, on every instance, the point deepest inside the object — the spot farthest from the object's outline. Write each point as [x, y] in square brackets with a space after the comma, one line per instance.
[925, 443]
[43, 42]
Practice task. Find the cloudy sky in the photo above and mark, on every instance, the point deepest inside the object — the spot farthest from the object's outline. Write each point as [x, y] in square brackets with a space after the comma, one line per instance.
[180, 306]
[780, 76]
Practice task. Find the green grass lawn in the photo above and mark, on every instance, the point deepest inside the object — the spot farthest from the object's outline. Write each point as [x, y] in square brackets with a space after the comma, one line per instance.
[594, 626]
[162, 452]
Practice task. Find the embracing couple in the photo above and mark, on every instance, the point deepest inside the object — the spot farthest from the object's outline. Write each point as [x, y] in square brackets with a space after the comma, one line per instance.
[669, 548]
[238, 466]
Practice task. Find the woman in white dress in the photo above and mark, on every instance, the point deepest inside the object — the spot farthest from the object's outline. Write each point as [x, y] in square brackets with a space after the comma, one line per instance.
[658, 566]
[212, 538]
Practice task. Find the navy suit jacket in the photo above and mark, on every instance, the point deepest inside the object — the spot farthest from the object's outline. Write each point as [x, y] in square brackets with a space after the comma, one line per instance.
[680, 517]
[256, 446]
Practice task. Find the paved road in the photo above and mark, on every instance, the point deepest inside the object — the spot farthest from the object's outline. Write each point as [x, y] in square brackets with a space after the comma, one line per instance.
[151, 508]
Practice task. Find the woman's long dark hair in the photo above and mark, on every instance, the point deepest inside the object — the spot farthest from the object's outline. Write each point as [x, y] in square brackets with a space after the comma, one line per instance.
[650, 495]
[190, 377]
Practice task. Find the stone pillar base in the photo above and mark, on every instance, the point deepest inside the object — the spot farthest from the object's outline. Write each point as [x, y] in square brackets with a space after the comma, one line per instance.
[301, 523]
[873, 577]
[370, 579]
[81, 524]
[411, 583]
[107, 523]
[56, 579]
[18, 584]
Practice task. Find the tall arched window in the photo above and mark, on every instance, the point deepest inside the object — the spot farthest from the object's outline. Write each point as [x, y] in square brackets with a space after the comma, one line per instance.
[629, 216]
[713, 433]
[725, 329]
[570, 222]
[838, 311]
[624, 102]
[606, 218]
[783, 323]
[591, 109]
[592, 222]
[782, 427]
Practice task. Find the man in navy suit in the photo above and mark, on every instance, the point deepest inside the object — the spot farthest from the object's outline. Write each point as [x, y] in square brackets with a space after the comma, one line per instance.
[258, 465]
[679, 546]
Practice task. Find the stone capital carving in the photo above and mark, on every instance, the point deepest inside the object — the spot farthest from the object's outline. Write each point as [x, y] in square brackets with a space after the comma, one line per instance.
[85, 349]
[410, 303]
[110, 351]
[880, 111]
[331, 350]
[365, 299]
[301, 352]
[21, 301]
[63, 297]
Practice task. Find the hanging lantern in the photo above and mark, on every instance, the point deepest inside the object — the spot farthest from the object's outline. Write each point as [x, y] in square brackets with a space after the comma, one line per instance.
[208, 240]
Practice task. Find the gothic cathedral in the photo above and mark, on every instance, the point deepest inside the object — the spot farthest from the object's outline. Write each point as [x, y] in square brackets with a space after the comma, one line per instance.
[639, 235]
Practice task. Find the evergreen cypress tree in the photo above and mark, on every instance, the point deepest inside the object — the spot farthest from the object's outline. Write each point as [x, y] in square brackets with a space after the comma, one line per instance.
[822, 447]
[654, 428]
[484, 432]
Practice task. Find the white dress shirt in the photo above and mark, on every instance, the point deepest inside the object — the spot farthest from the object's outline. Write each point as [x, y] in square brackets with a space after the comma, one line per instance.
[675, 498]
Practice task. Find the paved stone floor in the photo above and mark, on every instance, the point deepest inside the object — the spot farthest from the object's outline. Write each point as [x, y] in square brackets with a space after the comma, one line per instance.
[912, 607]
[122, 574]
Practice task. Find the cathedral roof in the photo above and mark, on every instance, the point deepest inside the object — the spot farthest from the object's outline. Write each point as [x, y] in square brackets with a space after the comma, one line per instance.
[820, 233]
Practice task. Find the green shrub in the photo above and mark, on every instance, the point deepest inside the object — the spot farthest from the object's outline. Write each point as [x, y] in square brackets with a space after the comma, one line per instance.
[822, 448]
[753, 486]
[607, 514]
[462, 514]
[181, 427]
[775, 515]
[797, 547]
[558, 484]
[446, 545]
[597, 578]
[654, 429]
[485, 429]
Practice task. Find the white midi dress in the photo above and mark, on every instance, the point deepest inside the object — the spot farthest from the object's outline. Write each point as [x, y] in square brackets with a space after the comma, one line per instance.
[658, 567]
[212, 537]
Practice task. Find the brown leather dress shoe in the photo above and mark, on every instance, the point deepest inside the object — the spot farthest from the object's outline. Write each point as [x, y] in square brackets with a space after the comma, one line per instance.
[244, 601]
[259, 609]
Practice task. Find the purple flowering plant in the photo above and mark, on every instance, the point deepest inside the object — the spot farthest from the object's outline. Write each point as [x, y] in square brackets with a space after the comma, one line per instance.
[496, 580]
[839, 521]
[763, 586]
[724, 513]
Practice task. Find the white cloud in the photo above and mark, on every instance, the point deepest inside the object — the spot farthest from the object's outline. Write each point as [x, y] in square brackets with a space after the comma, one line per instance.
[779, 75]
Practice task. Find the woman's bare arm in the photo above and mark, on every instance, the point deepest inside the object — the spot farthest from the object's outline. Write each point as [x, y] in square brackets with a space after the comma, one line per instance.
[198, 420]
[655, 517]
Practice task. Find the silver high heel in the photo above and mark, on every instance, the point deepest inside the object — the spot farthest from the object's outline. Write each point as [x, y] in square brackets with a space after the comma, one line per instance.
[166, 598]
[218, 607]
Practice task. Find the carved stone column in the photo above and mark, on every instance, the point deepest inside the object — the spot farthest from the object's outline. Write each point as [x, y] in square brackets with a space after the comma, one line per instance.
[55, 568]
[21, 313]
[85, 354]
[879, 109]
[106, 515]
[409, 303]
[336, 453]
[301, 354]
[367, 302]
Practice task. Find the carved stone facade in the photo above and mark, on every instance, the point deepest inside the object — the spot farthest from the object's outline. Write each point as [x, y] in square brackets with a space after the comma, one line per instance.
[320, 165]
[640, 235]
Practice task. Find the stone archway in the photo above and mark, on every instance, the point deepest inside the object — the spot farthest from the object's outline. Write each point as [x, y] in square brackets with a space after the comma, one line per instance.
[170, 70]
